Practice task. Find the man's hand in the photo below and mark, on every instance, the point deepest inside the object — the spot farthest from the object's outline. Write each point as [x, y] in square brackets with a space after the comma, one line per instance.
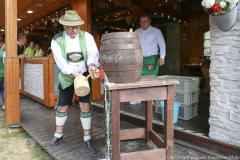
[91, 69]
[161, 61]
[94, 71]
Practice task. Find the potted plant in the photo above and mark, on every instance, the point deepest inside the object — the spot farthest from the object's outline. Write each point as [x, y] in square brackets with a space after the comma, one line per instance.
[223, 12]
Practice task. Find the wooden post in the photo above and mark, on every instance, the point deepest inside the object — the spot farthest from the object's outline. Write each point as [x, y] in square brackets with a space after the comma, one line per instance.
[96, 84]
[149, 118]
[115, 125]
[168, 122]
[52, 96]
[83, 8]
[11, 82]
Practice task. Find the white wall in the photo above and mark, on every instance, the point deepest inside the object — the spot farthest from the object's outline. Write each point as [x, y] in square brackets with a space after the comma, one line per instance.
[225, 84]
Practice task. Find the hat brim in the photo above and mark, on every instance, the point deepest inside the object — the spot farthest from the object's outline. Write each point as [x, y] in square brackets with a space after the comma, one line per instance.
[71, 23]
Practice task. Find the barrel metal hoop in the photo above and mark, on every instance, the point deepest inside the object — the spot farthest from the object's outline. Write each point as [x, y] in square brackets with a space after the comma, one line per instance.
[110, 47]
[120, 68]
[117, 35]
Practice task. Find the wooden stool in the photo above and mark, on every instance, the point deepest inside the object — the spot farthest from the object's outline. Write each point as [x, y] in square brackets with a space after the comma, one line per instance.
[147, 89]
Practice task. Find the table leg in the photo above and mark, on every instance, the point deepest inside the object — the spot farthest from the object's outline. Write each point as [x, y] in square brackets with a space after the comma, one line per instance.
[168, 122]
[115, 125]
[149, 118]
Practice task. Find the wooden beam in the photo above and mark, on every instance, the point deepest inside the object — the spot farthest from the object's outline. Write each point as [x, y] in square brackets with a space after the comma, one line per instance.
[115, 125]
[83, 7]
[84, 10]
[11, 64]
[52, 96]
[156, 139]
[11, 27]
[143, 94]
[209, 144]
[39, 12]
[168, 123]
[149, 118]
[96, 83]
[135, 133]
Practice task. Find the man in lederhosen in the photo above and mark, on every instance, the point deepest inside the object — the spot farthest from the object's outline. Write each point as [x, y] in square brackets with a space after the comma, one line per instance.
[75, 53]
[153, 46]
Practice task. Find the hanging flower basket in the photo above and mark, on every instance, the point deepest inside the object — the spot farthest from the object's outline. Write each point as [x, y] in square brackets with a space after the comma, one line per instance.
[223, 12]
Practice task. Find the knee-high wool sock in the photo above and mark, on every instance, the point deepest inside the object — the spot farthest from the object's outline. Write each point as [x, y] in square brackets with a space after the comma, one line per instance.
[61, 118]
[86, 118]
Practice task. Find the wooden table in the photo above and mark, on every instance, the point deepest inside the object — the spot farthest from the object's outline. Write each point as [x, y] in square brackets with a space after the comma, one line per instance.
[147, 89]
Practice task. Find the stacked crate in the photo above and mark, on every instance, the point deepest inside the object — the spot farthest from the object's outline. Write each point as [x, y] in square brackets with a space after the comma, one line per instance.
[186, 93]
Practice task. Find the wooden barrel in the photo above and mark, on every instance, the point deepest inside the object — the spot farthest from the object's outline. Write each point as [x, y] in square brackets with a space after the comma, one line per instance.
[121, 56]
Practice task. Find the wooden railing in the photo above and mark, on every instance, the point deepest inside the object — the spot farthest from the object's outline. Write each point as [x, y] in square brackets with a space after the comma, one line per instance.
[39, 81]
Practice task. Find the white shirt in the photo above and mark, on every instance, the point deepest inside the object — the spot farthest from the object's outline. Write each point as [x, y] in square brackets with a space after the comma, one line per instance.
[150, 40]
[73, 45]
